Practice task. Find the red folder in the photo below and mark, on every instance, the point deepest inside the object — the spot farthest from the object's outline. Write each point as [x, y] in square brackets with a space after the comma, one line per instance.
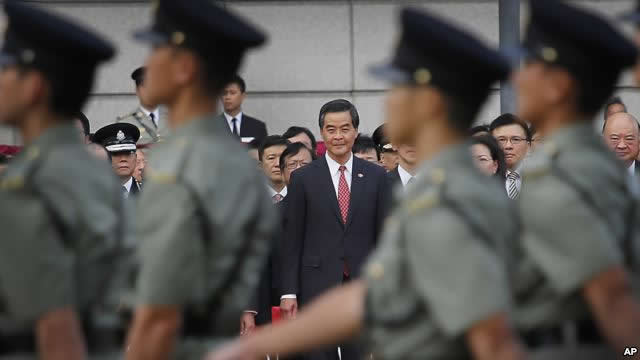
[276, 314]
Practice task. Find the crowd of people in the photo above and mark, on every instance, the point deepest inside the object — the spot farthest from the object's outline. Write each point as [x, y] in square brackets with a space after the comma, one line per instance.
[179, 226]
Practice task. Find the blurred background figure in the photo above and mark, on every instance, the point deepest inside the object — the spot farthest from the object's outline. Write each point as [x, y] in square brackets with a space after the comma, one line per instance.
[405, 172]
[241, 125]
[621, 134]
[81, 122]
[479, 130]
[388, 154]
[488, 156]
[269, 155]
[513, 136]
[141, 163]
[301, 134]
[119, 139]
[4, 161]
[252, 150]
[537, 138]
[149, 118]
[364, 148]
[99, 151]
[613, 106]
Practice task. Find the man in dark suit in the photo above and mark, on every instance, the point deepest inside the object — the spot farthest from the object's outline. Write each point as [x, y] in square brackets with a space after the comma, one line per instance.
[335, 209]
[241, 125]
[405, 172]
[295, 155]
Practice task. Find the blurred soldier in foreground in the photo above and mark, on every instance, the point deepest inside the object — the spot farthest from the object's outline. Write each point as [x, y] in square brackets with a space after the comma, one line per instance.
[150, 119]
[59, 205]
[436, 287]
[579, 249]
[204, 219]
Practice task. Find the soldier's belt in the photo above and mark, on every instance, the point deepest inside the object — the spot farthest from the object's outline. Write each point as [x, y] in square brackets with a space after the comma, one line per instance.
[571, 332]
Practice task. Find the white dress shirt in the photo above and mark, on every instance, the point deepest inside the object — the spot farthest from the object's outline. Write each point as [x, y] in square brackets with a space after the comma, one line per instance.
[128, 186]
[405, 175]
[518, 180]
[336, 176]
[156, 114]
[272, 192]
[239, 120]
[631, 168]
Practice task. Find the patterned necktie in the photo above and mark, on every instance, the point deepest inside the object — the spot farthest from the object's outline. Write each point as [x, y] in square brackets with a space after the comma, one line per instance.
[343, 204]
[153, 119]
[234, 128]
[513, 188]
[343, 194]
[277, 198]
[125, 194]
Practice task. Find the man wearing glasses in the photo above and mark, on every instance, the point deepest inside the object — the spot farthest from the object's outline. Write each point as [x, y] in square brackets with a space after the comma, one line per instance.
[514, 137]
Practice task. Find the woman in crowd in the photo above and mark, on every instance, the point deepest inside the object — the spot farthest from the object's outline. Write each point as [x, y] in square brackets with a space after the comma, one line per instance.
[488, 156]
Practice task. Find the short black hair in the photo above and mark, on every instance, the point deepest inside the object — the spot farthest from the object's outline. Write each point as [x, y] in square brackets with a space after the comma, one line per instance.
[613, 101]
[364, 143]
[495, 151]
[338, 106]
[478, 129]
[294, 131]
[508, 119]
[291, 150]
[85, 122]
[236, 79]
[270, 141]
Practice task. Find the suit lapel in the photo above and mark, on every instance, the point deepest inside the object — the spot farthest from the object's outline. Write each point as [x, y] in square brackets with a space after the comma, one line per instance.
[326, 180]
[356, 190]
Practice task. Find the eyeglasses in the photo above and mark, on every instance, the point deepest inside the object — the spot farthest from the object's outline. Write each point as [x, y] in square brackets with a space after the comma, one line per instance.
[513, 140]
[295, 164]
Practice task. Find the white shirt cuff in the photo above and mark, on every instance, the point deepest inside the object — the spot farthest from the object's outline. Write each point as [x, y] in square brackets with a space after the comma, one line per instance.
[250, 311]
[288, 296]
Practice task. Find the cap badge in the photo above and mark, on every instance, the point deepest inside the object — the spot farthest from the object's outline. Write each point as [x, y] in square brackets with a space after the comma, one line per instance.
[27, 56]
[422, 76]
[549, 54]
[178, 37]
[360, 175]
[120, 136]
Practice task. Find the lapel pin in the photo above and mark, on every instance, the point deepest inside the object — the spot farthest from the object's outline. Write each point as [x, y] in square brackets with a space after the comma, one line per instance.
[360, 175]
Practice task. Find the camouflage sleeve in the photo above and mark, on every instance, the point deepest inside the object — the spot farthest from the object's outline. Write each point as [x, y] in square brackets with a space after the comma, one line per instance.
[567, 239]
[461, 279]
[171, 252]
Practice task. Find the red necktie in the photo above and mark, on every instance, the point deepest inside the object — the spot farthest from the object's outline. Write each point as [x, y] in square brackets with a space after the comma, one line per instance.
[343, 204]
[343, 194]
[277, 198]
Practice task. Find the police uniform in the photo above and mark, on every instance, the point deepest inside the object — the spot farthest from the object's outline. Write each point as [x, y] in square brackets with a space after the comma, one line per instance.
[205, 222]
[151, 130]
[59, 206]
[120, 138]
[579, 213]
[441, 263]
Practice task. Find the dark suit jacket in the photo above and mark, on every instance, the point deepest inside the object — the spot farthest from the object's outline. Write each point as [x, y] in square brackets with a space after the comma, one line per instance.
[316, 242]
[249, 127]
[393, 177]
[268, 292]
[134, 189]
